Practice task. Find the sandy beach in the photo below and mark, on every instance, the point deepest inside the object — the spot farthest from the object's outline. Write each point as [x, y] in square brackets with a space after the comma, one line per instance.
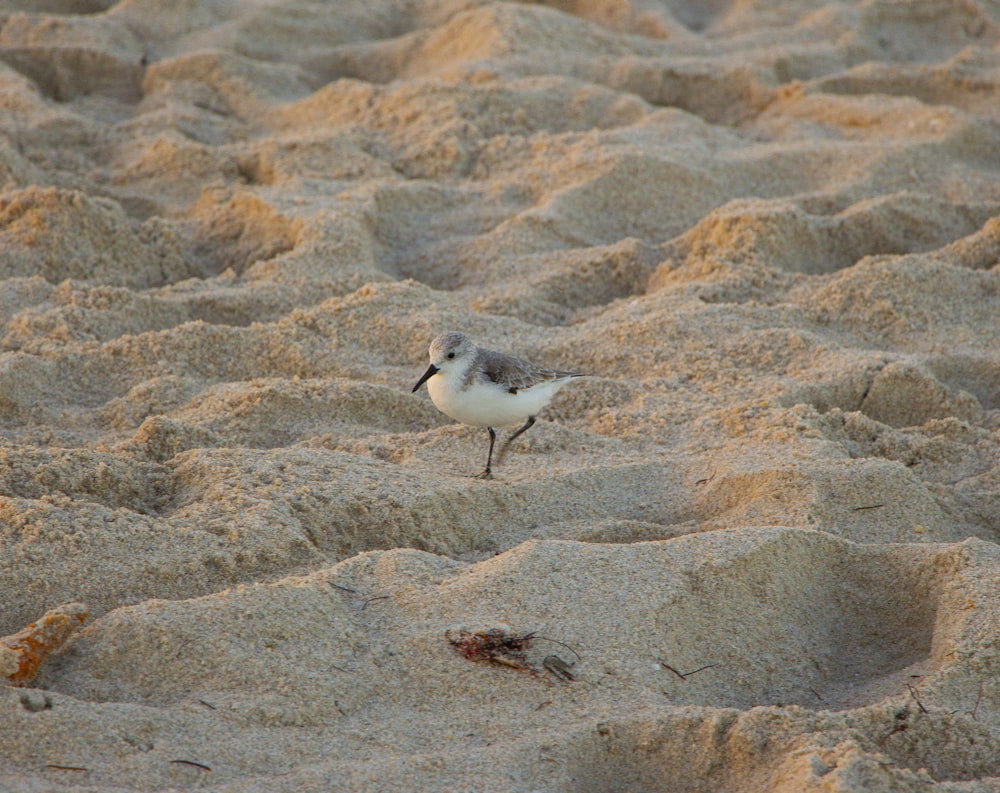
[757, 548]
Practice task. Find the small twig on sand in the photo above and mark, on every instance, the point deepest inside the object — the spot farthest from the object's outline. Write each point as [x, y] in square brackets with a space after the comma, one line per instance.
[371, 599]
[684, 675]
[979, 698]
[558, 667]
[705, 481]
[202, 766]
[913, 693]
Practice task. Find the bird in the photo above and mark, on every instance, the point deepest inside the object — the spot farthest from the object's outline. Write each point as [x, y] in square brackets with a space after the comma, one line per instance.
[484, 388]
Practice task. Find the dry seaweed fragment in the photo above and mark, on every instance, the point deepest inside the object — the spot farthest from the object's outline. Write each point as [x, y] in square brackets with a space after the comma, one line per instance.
[496, 645]
[500, 646]
[22, 653]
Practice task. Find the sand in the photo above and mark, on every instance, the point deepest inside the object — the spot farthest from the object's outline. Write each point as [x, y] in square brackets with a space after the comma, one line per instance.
[758, 549]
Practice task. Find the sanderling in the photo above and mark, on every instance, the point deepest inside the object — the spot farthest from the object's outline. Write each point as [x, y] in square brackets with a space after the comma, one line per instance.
[487, 389]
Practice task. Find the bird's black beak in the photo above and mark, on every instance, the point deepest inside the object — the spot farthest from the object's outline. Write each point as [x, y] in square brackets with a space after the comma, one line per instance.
[431, 371]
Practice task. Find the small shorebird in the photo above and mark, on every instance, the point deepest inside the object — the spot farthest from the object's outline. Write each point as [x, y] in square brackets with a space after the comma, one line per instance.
[488, 389]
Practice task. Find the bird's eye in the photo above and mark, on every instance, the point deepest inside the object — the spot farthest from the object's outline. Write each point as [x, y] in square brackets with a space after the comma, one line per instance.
[451, 355]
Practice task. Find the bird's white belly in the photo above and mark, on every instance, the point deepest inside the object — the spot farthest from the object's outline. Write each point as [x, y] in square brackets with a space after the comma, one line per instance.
[487, 405]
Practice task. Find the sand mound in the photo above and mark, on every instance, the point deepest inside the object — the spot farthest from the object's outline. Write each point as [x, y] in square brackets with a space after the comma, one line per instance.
[676, 628]
[756, 549]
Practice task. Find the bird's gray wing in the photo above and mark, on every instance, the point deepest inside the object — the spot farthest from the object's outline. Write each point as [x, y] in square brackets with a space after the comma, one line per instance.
[513, 373]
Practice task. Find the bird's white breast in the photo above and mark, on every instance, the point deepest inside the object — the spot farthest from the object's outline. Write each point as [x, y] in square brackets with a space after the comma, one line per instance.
[485, 404]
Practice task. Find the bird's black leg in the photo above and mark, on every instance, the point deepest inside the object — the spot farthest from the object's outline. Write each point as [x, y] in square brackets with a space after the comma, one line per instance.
[487, 474]
[503, 449]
